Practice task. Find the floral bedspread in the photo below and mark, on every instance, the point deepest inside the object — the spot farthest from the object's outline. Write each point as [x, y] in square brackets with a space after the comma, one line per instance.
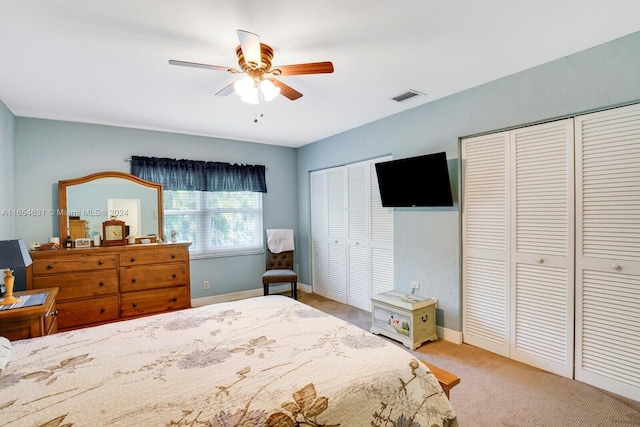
[266, 361]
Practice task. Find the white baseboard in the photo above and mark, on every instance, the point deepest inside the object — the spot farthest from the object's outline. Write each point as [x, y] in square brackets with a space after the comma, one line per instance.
[214, 299]
[449, 335]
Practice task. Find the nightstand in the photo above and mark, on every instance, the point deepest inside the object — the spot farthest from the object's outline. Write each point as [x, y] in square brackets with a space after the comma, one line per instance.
[29, 322]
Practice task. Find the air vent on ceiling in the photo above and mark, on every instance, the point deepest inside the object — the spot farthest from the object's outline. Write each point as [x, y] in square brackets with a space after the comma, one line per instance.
[407, 95]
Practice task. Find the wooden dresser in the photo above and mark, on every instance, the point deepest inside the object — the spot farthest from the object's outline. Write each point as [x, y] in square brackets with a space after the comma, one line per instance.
[105, 284]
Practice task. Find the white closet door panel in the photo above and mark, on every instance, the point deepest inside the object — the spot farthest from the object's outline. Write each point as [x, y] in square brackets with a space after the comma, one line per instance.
[357, 203]
[540, 319]
[485, 209]
[381, 228]
[320, 268]
[486, 306]
[319, 230]
[608, 250]
[485, 216]
[359, 289]
[382, 272]
[542, 246]
[542, 182]
[336, 204]
[337, 286]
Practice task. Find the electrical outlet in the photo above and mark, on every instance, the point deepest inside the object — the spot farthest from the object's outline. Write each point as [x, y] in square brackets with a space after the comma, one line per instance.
[205, 284]
[415, 285]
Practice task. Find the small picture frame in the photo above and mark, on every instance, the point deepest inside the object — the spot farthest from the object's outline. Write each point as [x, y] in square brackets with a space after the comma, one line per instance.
[83, 243]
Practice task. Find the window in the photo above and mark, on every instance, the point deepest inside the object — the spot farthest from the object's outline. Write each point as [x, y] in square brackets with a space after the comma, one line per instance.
[217, 223]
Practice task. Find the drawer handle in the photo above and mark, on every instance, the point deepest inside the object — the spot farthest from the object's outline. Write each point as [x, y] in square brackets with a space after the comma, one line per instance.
[101, 284]
[55, 313]
[102, 310]
[174, 275]
[133, 280]
[50, 266]
[173, 256]
[135, 304]
[100, 262]
[174, 299]
[425, 318]
[133, 259]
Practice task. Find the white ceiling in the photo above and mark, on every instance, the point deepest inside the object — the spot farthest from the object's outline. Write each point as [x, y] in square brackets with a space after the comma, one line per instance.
[105, 62]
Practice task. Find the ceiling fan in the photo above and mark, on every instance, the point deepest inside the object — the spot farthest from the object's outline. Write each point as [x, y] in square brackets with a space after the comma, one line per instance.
[254, 60]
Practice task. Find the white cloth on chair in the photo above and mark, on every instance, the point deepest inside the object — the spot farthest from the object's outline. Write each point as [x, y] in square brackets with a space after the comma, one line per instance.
[280, 240]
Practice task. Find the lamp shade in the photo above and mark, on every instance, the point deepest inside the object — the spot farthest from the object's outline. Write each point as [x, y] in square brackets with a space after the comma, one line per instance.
[14, 253]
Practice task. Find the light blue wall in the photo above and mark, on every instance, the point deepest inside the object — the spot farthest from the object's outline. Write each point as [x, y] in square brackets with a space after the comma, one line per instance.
[6, 174]
[47, 151]
[427, 242]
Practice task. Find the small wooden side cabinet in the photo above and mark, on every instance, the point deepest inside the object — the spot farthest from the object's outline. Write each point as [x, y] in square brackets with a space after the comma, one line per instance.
[405, 318]
[30, 322]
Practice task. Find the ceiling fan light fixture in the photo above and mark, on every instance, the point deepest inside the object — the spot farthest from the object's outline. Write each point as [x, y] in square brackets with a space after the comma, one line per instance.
[269, 90]
[244, 87]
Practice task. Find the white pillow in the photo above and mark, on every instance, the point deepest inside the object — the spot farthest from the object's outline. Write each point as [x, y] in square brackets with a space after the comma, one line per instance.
[5, 352]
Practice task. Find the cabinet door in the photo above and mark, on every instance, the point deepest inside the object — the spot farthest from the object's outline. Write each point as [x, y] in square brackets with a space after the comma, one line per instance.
[542, 246]
[608, 250]
[485, 254]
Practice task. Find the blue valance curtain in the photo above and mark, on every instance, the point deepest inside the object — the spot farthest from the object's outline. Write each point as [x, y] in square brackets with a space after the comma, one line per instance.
[196, 175]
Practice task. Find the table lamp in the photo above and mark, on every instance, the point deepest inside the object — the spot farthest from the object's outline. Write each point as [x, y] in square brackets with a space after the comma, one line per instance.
[13, 253]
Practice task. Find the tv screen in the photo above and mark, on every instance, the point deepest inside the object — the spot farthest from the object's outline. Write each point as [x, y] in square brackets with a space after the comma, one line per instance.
[415, 181]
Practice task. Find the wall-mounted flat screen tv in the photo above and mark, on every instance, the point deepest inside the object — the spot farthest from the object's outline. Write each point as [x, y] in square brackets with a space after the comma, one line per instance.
[415, 181]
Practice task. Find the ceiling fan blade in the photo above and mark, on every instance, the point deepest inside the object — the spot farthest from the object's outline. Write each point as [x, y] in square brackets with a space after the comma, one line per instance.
[206, 66]
[286, 90]
[227, 90]
[309, 68]
[250, 44]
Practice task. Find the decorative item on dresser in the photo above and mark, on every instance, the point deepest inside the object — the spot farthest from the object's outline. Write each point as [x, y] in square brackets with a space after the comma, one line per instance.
[105, 284]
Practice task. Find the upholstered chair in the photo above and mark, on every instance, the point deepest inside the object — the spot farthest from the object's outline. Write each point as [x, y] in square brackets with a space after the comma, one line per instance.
[280, 270]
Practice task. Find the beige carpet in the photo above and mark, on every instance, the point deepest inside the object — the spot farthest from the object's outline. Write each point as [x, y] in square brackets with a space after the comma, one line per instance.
[496, 391]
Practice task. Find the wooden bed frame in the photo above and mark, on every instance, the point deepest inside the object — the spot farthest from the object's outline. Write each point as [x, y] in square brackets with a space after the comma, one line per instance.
[446, 379]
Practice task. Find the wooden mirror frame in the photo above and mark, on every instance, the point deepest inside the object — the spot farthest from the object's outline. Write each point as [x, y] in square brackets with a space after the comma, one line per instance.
[64, 184]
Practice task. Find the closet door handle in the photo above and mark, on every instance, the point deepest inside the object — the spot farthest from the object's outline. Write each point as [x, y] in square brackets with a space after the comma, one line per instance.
[616, 267]
[540, 260]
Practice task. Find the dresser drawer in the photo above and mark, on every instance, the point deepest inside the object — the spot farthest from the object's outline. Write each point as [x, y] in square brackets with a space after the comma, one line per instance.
[158, 255]
[83, 312]
[64, 264]
[152, 276]
[156, 301]
[79, 285]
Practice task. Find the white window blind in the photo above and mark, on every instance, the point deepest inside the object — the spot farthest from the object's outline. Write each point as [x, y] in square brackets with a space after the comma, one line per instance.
[217, 223]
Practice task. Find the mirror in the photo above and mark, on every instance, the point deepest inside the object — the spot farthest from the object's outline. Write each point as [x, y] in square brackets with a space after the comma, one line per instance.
[92, 199]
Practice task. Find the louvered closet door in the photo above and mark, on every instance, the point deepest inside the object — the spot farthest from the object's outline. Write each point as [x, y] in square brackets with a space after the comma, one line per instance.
[359, 288]
[319, 233]
[485, 257]
[336, 211]
[608, 250]
[542, 246]
[380, 236]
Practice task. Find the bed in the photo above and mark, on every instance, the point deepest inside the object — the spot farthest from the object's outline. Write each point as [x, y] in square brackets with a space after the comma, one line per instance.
[265, 361]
